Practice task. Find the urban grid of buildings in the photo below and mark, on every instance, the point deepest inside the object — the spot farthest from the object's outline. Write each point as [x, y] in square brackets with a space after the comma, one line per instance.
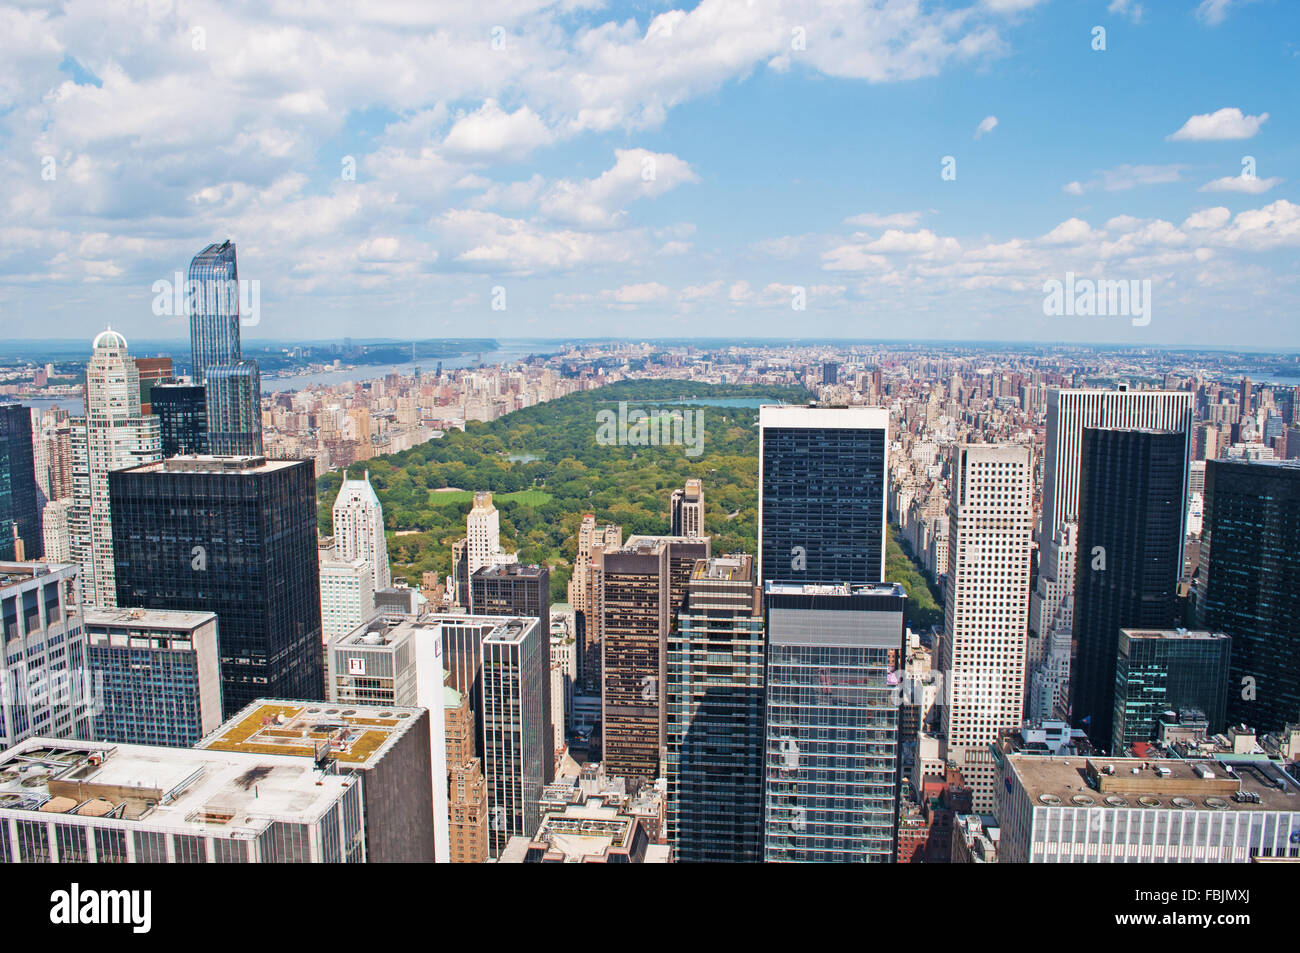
[1112, 673]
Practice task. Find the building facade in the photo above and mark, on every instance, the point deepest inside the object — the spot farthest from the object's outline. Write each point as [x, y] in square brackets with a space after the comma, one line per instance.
[20, 503]
[822, 494]
[832, 752]
[1163, 670]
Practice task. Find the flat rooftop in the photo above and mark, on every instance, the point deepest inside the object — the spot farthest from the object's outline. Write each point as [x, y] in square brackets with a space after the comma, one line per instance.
[738, 568]
[12, 574]
[355, 735]
[1261, 784]
[179, 788]
[500, 570]
[834, 589]
[214, 464]
[171, 619]
[1188, 634]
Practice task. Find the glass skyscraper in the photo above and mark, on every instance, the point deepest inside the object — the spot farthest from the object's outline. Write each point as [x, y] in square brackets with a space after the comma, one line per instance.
[19, 504]
[714, 811]
[213, 298]
[182, 413]
[1167, 670]
[234, 409]
[821, 501]
[831, 750]
[234, 536]
[1249, 585]
[1131, 518]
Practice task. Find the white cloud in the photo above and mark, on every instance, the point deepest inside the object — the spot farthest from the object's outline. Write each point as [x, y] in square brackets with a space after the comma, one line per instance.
[599, 203]
[895, 220]
[1126, 8]
[987, 125]
[1124, 177]
[492, 134]
[1250, 185]
[1226, 123]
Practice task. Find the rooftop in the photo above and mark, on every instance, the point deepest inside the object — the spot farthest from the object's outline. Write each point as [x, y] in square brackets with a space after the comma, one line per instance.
[351, 734]
[1243, 785]
[146, 618]
[180, 788]
[12, 574]
[214, 464]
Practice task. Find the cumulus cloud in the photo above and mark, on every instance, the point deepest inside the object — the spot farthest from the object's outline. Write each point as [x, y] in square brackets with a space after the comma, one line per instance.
[987, 125]
[1226, 123]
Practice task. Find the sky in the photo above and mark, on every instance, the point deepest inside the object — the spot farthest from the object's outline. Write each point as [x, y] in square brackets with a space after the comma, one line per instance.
[729, 168]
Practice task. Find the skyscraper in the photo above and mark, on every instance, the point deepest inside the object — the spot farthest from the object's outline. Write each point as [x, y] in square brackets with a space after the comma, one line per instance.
[182, 413]
[515, 670]
[232, 386]
[158, 673]
[233, 396]
[213, 303]
[1248, 585]
[235, 536]
[112, 435]
[512, 589]
[359, 527]
[46, 688]
[20, 516]
[831, 757]
[1132, 491]
[687, 510]
[821, 497]
[482, 531]
[982, 653]
[714, 811]
[585, 594]
[1160, 670]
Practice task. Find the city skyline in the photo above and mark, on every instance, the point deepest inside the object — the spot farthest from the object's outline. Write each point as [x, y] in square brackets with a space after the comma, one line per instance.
[756, 164]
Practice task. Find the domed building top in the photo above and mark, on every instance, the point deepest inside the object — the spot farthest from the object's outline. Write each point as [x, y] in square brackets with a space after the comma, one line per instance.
[109, 338]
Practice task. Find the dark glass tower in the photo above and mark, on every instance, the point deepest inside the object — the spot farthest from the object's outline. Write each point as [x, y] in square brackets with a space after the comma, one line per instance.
[512, 589]
[715, 717]
[213, 296]
[1249, 585]
[821, 506]
[19, 507]
[182, 418]
[1131, 518]
[234, 536]
[831, 752]
[1168, 670]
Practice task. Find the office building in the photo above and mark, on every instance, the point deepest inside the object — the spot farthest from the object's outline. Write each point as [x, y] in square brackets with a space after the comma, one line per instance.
[592, 832]
[359, 527]
[482, 531]
[235, 536]
[517, 744]
[586, 594]
[686, 510]
[46, 687]
[832, 752]
[467, 815]
[347, 595]
[213, 306]
[1129, 810]
[1070, 411]
[982, 653]
[1131, 515]
[397, 752]
[1168, 670]
[94, 802]
[714, 810]
[153, 371]
[20, 503]
[512, 589]
[55, 533]
[158, 674]
[113, 435]
[1248, 585]
[821, 497]
[182, 413]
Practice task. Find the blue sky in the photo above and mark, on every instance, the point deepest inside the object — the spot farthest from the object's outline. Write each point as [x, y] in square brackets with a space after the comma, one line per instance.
[656, 169]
